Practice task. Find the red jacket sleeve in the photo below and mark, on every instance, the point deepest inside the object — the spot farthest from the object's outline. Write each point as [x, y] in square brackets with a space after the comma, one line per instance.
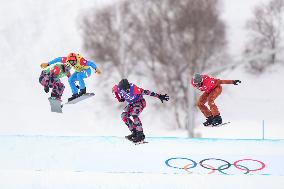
[219, 82]
[115, 92]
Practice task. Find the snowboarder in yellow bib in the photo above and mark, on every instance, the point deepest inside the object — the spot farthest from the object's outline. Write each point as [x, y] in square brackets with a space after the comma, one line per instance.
[82, 71]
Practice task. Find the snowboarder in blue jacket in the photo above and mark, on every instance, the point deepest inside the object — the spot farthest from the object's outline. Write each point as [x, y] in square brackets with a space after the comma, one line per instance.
[82, 71]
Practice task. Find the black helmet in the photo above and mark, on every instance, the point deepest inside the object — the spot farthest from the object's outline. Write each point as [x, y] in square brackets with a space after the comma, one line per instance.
[197, 79]
[124, 85]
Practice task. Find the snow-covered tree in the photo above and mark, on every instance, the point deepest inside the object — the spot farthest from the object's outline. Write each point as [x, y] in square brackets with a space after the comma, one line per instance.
[265, 34]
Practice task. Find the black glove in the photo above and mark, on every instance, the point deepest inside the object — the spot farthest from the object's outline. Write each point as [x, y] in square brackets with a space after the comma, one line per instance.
[235, 82]
[46, 89]
[164, 97]
[121, 100]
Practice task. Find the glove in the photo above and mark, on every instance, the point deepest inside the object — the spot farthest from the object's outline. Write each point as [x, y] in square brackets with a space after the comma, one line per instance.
[98, 71]
[122, 100]
[46, 89]
[164, 97]
[235, 82]
[43, 65]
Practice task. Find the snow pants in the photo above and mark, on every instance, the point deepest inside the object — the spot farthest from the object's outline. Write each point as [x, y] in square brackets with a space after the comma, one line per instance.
[79, 76]
[210, 98]
[134, 111]
[51, 81]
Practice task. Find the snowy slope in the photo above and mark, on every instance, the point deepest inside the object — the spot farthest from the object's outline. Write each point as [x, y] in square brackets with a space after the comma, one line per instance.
[112, 162]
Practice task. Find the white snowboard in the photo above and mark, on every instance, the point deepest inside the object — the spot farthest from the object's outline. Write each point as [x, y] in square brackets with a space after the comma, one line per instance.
[55, 105]
[80, 98]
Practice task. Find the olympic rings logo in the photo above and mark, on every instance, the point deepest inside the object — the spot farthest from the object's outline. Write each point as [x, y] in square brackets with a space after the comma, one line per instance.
[220, 168]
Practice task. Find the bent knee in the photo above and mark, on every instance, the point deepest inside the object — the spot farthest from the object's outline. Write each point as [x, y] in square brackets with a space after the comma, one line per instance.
[211, 103]
[200, 104]
[124, 115]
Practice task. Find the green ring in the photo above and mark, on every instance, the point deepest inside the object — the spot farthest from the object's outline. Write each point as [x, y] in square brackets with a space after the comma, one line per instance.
[221, 171]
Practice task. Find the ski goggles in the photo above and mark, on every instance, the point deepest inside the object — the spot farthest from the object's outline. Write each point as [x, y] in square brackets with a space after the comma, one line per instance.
[198, 84]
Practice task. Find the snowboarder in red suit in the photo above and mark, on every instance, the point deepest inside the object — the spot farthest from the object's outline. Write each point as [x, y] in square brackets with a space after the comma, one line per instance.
[212, 89]
[133, 95]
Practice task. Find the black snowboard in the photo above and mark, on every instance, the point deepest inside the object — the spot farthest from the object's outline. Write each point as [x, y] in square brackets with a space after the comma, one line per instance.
[137, 143]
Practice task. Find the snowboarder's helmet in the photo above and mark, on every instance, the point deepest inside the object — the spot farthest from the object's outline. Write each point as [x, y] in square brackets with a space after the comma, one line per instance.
[72, 58]
[124, 85]
[197, 79]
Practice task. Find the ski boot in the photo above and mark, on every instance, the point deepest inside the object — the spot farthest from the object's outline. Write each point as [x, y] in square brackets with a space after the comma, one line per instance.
[217, 120]
[139, 137]
[208, 121]
[132, 135]
[82, 91]
[73, 97]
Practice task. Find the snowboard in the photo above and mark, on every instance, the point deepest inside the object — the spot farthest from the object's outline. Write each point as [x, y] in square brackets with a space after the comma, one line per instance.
[137, 143]
[80, 98]
[55, 105]
[142, 142]
[222, 124]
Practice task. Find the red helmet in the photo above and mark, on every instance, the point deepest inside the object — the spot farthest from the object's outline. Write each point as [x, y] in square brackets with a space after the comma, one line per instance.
[72, 58]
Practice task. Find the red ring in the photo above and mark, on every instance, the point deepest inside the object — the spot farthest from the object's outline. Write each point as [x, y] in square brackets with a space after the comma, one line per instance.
[262, 164]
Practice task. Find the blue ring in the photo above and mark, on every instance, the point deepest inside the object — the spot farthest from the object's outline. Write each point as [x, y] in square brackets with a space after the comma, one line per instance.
[167, 163]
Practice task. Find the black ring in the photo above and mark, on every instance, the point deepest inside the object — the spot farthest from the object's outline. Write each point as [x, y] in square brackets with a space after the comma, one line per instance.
[225, 167]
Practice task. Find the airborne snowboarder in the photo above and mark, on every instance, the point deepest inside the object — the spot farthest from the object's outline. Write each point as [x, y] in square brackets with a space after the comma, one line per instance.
[133, 95]
[82, 71]
[212, 89]
[50, 78]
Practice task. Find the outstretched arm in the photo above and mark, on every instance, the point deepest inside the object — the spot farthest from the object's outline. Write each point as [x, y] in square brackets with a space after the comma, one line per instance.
[94, 66]
[56, 60]
[235, 82]
[160, 96]
[91, 64]
[147, 92]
